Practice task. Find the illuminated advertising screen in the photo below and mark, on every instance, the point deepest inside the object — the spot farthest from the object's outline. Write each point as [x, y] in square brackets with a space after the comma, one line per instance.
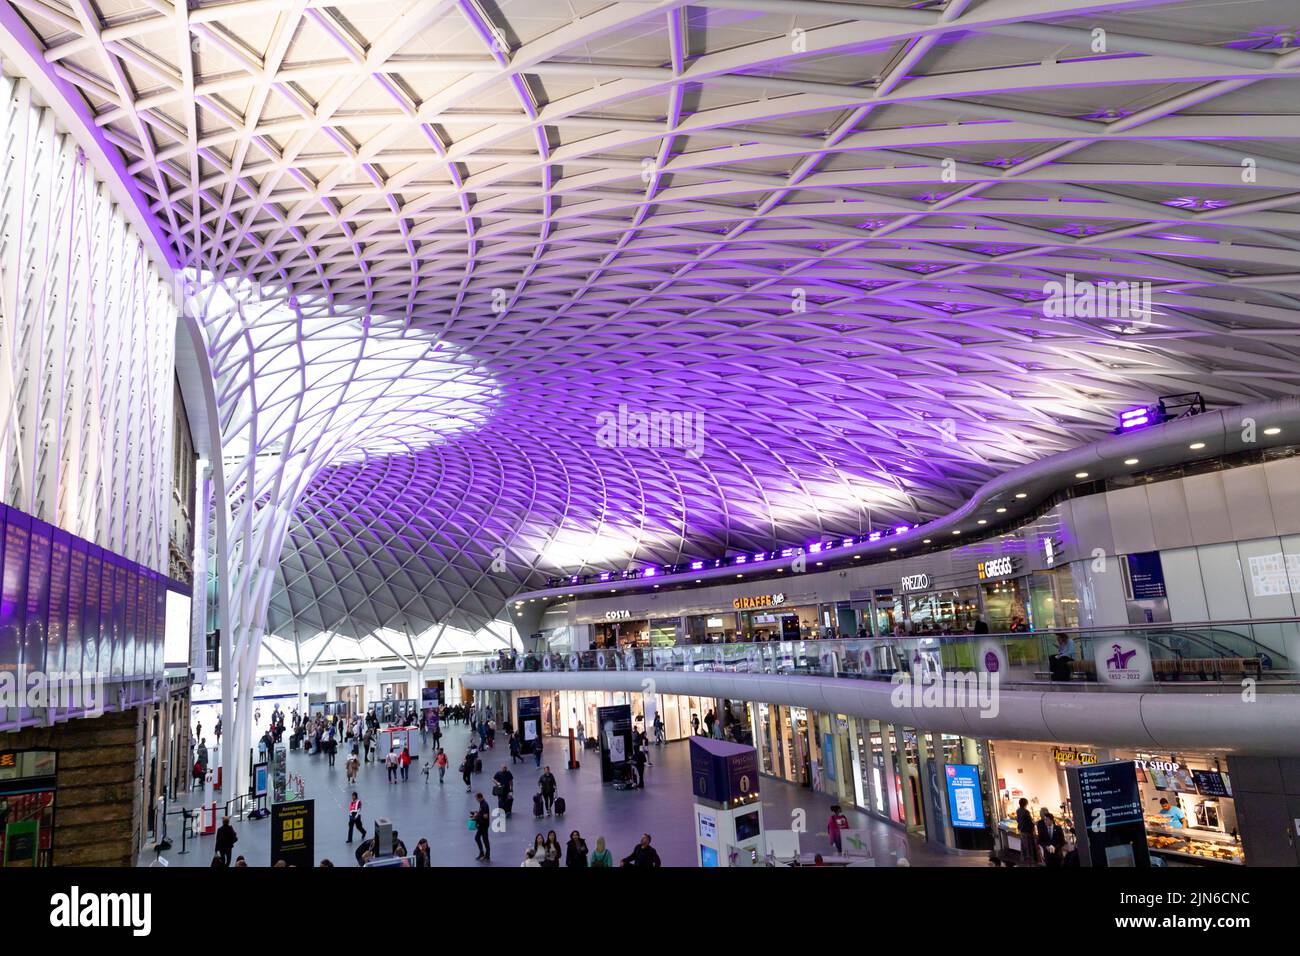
[965, 800]
[57, 614]
[75, 627]
[38, 597]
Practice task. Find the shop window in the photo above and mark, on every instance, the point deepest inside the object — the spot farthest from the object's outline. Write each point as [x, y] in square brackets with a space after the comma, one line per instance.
[27, 788]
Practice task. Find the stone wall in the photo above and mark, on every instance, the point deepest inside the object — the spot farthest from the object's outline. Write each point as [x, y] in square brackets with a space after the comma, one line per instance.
[97, 805]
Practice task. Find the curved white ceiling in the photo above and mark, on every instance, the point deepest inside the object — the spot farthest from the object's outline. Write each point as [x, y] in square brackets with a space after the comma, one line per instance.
[825, 228]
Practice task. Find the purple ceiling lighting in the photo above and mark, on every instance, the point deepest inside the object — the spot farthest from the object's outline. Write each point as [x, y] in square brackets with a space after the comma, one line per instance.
[708, 294]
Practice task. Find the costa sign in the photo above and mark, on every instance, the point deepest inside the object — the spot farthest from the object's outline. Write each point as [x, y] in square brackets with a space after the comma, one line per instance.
[997, 567]
[761, 600]
[620, 615]
[915, 582]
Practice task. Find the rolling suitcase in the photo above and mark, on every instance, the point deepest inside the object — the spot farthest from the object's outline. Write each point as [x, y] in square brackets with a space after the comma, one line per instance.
[508, 805]
[539, 807]
[559, 806]
[478, 765]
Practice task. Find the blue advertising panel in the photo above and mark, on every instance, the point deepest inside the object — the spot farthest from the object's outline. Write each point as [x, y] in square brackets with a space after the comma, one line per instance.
[93, 661]
[965, 798]
[708, 856]
[56, 633]
[38, 597]
[131, 620]
[1147, 575]
[13, 590]
[73, 658]
[116, 669]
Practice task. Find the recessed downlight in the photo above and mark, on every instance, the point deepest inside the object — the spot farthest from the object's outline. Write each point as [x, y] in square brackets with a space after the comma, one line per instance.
[956, 532]
[1273, 431]
[1081, 474]
[926, 541]
[982, 521]
[1002, 511]
[893, 549]
[1196, 445]
[1022, 494]
[1130, 461]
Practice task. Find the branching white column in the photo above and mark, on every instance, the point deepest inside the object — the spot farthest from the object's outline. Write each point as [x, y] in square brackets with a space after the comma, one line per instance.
[300, 385]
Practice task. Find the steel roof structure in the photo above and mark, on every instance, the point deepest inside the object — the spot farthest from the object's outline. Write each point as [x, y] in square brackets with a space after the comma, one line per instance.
[820, 238]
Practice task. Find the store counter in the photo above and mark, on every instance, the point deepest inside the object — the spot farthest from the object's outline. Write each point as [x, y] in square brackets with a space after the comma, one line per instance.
[1193, 845]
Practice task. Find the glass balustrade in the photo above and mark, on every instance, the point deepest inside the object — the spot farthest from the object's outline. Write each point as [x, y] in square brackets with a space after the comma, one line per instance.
[1222, 654]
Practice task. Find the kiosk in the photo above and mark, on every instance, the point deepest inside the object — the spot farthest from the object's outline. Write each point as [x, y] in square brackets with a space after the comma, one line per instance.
[728, 813]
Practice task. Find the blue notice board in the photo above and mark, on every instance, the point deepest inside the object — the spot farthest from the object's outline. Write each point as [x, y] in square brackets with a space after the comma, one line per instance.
[965, 802]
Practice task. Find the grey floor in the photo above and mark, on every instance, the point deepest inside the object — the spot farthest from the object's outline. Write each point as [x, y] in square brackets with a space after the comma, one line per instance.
[438, 813]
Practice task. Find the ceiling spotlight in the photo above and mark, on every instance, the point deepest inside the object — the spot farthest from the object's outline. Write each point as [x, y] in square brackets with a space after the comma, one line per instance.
[820, 563]
[1130, 461]
[1002, 511]
[1022, 494]
[1272, 431]
[1081, 474]
[740, 575]
[956, 532]
[893, 549]
[1196, 445]
[981, 521]
[926, 541]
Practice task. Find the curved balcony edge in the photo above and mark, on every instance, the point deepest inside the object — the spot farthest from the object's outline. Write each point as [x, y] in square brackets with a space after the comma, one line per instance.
[1163, 723]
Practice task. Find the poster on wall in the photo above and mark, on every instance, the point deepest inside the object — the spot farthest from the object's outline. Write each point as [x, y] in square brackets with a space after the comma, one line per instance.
[1146, 576]
[1274, 575]
[1122, 662]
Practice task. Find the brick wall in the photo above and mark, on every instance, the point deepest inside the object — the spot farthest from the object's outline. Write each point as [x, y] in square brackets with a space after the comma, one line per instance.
[97, 806]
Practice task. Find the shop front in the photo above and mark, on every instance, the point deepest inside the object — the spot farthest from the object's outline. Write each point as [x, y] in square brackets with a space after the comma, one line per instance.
[617, 631]
[1004, 593]
[1196, 824]
[27, 790]
[947, 611]
[565, 710]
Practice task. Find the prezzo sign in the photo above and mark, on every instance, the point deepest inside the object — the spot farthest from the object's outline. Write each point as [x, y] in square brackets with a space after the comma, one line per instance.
[761, 600]
[622, 615]
[996, 568]
[915, 582]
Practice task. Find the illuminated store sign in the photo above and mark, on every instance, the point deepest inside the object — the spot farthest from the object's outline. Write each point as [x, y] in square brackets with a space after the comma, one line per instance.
[997, 567]
[915, 582]
[621, 615]
[1070, 755]
[761, 600]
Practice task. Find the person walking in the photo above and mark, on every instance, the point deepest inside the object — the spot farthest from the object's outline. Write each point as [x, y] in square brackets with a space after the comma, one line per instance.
[390, 762]
[643, 855]
[423, 854]
[405, 761]
[546, 783]
[467, 768]
[537, 750]
[639, 759]
[226, 840]
[835, 826]
[482, 817]
[354, 817]
[602, 858]
[709, 719]
[352, 766]
[576, 851]
[659, 730]
[695, 725]
[503, 788]
[554, 852]
[440, 761]
[514, 749]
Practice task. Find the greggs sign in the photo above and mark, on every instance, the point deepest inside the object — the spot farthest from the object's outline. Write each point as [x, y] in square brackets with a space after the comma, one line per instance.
[761, 600]
[997, 568]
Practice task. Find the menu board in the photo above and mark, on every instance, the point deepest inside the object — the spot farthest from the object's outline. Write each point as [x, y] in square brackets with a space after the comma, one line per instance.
[13, 590]
[1180, 779]
[38, 597]
[60, 555]
[1211, 783]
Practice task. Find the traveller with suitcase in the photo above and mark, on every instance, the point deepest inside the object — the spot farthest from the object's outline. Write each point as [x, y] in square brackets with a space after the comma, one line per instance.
[539, 809]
